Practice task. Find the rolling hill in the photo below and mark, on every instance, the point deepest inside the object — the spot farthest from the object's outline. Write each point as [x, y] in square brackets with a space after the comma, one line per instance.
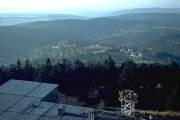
[155, 31]
[7, 19]
[147, 10]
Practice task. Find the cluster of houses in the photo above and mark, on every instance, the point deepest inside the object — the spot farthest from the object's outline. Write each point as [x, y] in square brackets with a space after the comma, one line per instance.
[134, 54]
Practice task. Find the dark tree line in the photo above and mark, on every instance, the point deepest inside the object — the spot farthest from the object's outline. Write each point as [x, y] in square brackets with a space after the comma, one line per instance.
[157, 85]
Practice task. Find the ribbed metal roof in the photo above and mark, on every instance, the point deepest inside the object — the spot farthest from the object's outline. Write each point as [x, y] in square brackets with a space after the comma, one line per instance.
[1, 111]
[17, 116]
[20, 87]
[7, 100]
[8, 115]
[78, 110]
[30, 109]
[39, 108]
[42, 90]
[26, 105]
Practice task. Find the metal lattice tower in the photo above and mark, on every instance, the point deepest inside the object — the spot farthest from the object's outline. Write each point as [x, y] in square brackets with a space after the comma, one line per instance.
[128, 99]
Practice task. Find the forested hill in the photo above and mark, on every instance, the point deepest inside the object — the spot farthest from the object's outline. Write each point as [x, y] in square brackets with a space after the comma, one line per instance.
[157, 32]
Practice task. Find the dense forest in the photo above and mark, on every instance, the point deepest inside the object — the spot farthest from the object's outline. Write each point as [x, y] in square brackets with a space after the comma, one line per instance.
[157, 85]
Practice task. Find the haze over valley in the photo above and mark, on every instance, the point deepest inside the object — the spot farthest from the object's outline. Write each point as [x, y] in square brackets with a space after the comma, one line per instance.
[142, 36]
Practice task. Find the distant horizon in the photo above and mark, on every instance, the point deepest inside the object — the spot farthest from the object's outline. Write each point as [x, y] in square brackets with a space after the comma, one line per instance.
[83, 13]
[79, 7]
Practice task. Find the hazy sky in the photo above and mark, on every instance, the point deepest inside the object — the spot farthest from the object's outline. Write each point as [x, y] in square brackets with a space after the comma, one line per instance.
[75, 6]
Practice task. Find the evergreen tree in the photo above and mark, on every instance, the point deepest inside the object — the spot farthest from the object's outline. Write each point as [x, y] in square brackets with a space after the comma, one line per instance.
[45, 71]
[28, 71]
[18, 64]
[18, 70]
[109, 63]
[3, 77]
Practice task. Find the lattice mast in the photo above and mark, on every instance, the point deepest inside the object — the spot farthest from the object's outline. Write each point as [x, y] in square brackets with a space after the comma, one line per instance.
[128, 99]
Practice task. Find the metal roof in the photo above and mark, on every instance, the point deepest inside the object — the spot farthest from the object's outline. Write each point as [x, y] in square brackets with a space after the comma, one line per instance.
[26, 105]
[20, 87]
[75, 109]
[7, 100]
[17, 116]
[39, 108]
[42, 90]
[29, 108]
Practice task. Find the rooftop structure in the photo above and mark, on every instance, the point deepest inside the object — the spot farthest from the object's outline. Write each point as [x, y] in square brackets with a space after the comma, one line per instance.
[24, 100]
[128, 98]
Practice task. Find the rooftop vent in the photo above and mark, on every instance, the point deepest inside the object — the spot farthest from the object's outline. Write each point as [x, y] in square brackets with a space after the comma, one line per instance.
[61, 111]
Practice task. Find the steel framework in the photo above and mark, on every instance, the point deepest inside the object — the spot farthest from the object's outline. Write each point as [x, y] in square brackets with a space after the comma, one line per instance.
[128, 99]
